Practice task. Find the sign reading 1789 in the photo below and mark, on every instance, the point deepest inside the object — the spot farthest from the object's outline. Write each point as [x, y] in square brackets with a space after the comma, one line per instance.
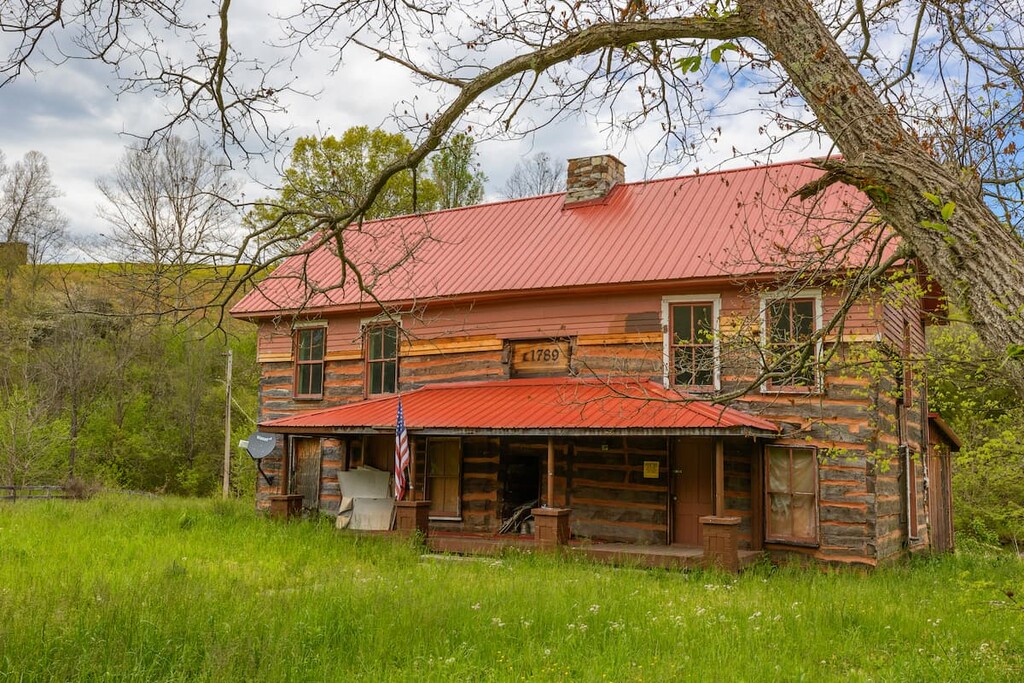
[539, 357]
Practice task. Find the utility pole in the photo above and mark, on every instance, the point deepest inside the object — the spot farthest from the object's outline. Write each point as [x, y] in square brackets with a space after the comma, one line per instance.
[227, 426]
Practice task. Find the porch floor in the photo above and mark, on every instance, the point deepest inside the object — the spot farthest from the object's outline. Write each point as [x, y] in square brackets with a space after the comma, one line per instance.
[664, 556]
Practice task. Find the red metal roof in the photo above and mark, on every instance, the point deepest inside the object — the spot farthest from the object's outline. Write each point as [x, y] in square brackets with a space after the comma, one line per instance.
[709, 225]
[562, 404]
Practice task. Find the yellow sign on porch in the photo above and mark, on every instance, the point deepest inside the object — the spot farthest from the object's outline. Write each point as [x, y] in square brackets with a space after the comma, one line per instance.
[652, 469]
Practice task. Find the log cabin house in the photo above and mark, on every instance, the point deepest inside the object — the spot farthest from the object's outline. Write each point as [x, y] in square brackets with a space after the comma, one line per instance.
[562, 353]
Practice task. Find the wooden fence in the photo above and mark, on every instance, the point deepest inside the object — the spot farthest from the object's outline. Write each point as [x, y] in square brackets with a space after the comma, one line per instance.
[13, 493]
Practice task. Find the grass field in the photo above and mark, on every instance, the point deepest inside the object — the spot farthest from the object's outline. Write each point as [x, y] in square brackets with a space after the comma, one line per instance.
[146, 589]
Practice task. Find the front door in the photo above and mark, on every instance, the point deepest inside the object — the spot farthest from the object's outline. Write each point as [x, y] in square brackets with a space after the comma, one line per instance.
[693, 487]
[307, 471]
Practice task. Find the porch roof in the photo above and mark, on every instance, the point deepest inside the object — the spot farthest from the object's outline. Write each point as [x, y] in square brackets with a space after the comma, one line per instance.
[548, 406]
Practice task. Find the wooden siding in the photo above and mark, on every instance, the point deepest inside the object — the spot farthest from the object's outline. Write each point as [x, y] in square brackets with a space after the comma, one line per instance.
[610, 498]
[853, 421]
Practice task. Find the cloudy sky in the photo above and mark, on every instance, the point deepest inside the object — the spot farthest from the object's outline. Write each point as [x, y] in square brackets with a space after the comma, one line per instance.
[73, 115]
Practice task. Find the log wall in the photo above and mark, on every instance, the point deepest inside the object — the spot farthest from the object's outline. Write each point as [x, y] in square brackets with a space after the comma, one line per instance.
[610, 498]
[853, 422]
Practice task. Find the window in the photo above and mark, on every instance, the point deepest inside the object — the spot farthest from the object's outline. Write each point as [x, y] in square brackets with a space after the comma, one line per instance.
[789, 324]
[792, 500]
[381, 349]
[691, 341]
[443, 477]
[908, 366]
[309, 363]
[910, 469]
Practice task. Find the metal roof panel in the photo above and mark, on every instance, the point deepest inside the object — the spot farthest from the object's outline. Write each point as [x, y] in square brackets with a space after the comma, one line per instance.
[563, 403]
[709, 225]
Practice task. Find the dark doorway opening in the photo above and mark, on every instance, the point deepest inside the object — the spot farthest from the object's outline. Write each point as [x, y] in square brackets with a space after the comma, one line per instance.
[520, 493]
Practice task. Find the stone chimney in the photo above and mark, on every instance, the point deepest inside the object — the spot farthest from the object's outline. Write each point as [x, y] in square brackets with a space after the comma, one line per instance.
[590, 179]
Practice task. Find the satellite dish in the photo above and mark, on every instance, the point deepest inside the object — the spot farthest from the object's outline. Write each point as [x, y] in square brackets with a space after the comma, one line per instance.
[260, 445]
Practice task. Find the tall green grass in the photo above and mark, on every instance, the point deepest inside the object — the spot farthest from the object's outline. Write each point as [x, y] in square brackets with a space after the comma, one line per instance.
[166, 589]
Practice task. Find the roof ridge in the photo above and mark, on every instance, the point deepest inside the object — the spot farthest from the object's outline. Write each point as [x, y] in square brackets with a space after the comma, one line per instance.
[632, 183]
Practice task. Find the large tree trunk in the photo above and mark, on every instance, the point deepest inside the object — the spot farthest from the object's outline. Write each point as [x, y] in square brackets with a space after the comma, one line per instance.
[978, 261]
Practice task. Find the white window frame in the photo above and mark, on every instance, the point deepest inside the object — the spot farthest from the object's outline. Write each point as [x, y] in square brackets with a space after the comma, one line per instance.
[666, 321]
[301, 326]
[381, 320]
[811, 293]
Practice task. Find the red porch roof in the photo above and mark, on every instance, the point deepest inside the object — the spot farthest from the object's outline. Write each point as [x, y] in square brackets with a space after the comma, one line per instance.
[739, 222]
[939, 423]
[532, 406]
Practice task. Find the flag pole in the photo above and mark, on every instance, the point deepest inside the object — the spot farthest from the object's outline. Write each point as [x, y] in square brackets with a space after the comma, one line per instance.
[402, 454]
[410, 487]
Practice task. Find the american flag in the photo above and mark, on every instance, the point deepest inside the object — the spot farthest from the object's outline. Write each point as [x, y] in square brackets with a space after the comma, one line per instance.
[401, 453]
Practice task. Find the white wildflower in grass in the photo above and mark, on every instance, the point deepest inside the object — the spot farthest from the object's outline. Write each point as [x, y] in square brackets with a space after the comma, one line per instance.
[753, 616]
[475, 605]
[525, 623]
[700, 611]
[547, 652]
[594, 609]
[498, 622]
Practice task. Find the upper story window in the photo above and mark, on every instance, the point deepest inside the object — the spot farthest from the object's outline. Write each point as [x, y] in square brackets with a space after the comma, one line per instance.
[380, 344]
[789, 325]
[691, 342]
[309, 362]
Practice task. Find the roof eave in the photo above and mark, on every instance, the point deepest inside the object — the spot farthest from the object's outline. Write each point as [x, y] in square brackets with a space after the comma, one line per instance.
[749, 432]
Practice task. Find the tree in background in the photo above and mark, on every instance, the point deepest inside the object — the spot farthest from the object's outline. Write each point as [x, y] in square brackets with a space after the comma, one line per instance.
[28, 213]
[73, 366]
[535, 175]
[327, 176]
[169, 209]
[967, 387]
[31, 441]
[456, 173]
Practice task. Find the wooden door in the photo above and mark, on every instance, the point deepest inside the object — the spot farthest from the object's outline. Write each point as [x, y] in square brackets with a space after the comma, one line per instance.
[307, 471]
[693, 488]
[940, 511]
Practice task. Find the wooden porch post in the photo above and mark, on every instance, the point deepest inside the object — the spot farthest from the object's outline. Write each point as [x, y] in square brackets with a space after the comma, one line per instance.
[719, 477]
[412, 469]
[552, 523]
[283, 504]
[286, 466]
[551, 471]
